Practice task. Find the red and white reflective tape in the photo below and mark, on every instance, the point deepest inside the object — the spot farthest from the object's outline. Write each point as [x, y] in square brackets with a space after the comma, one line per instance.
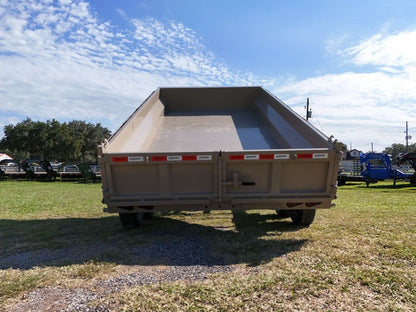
[176, 158]
[277, 156]
[262, 156]
[181, 158]
[204, 157]
[135, 159]
[258, 156]
[159, 158]
[304, 156]
[320, 155]
[128, 159]
[312, 156]
[119, 159]
[281, 156]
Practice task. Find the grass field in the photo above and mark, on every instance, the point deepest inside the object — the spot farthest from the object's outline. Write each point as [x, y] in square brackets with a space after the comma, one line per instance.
[358, 256]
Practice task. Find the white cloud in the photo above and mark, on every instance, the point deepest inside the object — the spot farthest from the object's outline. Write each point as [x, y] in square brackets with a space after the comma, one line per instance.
[59, 61]
[397, 50]
[361, 108]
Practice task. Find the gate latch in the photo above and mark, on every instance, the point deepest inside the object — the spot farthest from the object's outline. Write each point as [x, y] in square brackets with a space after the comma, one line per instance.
[236, 183]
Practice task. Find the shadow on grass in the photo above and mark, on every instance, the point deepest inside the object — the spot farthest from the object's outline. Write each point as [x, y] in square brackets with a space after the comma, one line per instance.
[26, 244]
[351, 186]
[388, 186]
[361, 183]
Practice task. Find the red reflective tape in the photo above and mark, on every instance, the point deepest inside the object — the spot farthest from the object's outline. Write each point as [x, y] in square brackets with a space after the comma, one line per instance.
[120, 159]
[236, 157]
[159, 158]
[304, 156]
[189, 157]
[267, 156]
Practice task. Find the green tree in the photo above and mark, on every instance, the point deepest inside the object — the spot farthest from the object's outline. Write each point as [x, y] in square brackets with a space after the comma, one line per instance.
[396, 149]
[52, 140]
[58, 144]
[86, 137]
[15, 138]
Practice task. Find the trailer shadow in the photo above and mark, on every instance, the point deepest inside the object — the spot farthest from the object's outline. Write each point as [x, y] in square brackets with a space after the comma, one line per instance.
[26, 244]
[403, 185]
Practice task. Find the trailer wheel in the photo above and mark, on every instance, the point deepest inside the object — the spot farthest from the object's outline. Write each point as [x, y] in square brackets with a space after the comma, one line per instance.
[282, 214]
[341, 181]
[302, 217]
[131, 220]
[148, 215]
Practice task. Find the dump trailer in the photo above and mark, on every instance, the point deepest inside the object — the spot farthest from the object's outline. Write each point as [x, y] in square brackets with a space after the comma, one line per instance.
[233, 148]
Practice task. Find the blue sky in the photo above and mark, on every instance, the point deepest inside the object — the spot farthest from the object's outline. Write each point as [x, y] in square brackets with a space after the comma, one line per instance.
[97, 60]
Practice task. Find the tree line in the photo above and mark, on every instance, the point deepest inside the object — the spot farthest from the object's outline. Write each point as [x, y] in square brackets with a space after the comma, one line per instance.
[52, 140]
[396, 149]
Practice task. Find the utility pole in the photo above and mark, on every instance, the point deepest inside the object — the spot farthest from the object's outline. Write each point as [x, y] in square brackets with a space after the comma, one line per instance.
[308, 111]
[408, 137]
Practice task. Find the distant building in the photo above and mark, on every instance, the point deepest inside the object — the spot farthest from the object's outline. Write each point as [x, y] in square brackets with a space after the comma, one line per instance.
[353, 154]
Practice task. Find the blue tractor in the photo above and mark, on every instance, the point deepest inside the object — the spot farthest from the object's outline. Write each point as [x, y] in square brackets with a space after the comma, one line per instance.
[377, 167]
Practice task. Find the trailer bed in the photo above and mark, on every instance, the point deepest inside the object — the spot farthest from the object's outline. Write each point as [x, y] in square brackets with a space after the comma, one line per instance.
[210, 131]
[217, 148]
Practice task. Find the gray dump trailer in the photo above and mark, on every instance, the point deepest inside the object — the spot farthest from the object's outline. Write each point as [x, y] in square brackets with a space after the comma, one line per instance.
[233, 148]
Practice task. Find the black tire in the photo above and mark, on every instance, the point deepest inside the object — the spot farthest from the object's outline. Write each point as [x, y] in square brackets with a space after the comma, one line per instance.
[148, 215]
[282, 214]
[131, 220]
[341, 181]
[302, 217]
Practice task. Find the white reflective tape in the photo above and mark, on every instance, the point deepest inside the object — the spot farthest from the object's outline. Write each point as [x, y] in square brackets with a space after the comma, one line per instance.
[252, 157]
[320, 155]
[174, 158]
[204, 157]
[281, 156]
[135, 158]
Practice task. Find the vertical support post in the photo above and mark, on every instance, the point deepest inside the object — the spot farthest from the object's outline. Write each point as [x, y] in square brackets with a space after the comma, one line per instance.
[408, 137]
[308, 111]
[220, 176]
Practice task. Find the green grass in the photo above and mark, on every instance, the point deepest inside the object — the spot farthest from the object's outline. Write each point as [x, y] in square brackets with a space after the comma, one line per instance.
[30, 200]
[358, 256]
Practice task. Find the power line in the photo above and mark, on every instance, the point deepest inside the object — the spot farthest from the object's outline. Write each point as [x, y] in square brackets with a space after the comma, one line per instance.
[309, 115]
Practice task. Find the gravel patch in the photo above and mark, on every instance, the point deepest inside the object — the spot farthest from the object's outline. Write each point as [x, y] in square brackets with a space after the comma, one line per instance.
[180, 251]
[184, 251]
[183, 258]
[56, 299]
[169, 274]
